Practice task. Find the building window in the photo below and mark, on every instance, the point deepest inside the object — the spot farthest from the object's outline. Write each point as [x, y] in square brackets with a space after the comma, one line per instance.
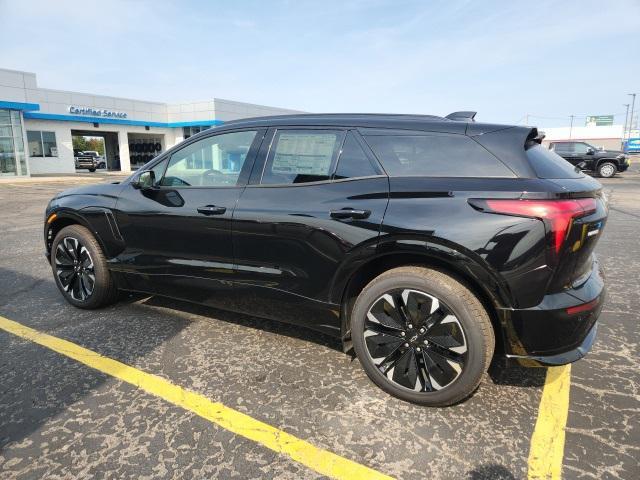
[190, 131]
[12, 157]
[42, 144]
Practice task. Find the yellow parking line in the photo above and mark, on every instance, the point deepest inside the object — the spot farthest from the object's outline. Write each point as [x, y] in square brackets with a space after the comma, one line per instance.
[322, 461]
[547, 441]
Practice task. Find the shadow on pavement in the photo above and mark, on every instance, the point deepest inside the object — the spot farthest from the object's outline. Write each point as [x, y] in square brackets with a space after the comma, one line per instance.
[271, 326]
[507, 372]
[492, 471]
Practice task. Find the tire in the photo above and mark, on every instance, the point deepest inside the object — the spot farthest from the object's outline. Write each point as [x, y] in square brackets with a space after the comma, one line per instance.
[458, 319]
[92, 170]
[607, 169]
[76, 242]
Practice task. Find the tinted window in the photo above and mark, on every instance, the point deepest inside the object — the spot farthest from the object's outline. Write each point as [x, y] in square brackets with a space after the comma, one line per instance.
[212, 161]
[298, 156]
[548, 164]
[582, 148]
[563, 147]
[436, 156]
[353, 162]
[158, 170]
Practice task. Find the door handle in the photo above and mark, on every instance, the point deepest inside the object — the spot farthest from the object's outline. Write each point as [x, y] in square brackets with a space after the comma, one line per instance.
[211, 210]
[350, 213]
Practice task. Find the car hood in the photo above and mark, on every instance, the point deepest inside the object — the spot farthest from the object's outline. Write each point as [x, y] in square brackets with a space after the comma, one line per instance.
[609, 153]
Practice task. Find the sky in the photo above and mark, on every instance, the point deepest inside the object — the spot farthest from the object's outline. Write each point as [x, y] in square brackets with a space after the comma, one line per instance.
[502, 59]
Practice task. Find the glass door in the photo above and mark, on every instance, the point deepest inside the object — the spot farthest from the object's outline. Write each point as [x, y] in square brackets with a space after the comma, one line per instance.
[12, 158]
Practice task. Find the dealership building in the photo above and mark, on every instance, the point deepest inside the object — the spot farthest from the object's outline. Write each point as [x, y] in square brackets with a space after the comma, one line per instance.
[37, 125]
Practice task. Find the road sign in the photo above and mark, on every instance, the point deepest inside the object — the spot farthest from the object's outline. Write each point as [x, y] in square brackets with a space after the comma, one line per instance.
[599, 120]
[632, 145]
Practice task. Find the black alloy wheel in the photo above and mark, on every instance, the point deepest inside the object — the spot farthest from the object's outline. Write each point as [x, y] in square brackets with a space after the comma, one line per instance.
[75, 269]
[415, 340]
[422, 335]
[80, 269]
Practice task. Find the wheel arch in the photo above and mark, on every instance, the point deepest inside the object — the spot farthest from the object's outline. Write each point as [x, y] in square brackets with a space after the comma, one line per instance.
[488, 289]
[64, 218]
[600, 161]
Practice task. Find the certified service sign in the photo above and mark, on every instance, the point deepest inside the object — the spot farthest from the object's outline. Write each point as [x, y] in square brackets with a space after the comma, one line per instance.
[96, 112]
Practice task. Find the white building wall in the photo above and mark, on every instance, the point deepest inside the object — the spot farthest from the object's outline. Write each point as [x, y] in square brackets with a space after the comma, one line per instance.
[65, 162]
[21, 87]
[13, 85]
[609, 137]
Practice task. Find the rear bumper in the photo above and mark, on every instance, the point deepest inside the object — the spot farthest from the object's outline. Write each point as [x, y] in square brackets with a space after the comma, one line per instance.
[560, 330]
[623, 167]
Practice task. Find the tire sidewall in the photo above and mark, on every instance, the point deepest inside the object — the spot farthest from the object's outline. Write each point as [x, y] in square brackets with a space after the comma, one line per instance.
[100, 270]
[614, 168]
[476, 344]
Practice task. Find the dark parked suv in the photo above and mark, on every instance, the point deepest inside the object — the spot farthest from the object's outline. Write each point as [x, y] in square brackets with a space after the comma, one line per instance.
[605, 163]
[422, 242]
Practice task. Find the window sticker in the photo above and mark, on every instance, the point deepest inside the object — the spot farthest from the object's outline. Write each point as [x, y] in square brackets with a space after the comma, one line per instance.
[304, 154]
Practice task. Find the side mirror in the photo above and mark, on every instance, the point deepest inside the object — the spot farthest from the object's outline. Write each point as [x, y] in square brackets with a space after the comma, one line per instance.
[145, 180]
[590, 151]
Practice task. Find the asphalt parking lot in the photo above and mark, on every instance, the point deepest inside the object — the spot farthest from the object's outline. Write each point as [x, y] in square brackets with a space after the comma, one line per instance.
[60, 418]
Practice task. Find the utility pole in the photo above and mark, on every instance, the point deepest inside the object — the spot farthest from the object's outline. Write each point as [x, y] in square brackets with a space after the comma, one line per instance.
[570, 126]
[633, 104]
[624, 130]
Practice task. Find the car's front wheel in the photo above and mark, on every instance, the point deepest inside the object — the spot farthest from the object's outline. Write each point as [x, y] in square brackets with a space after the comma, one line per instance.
[607, 169]
[422, 336]
[80, 269]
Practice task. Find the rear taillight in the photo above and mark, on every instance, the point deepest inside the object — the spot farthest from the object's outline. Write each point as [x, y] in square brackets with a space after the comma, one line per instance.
[557, 214]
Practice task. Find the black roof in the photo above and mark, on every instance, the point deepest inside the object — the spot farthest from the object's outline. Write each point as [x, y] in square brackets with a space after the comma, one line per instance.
[368, 120]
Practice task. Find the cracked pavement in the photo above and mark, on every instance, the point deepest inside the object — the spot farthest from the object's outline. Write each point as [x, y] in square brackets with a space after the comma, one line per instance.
[60, 419]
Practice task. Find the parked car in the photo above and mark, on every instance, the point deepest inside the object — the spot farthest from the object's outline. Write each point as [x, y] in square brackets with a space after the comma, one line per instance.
[605, 163]
[423, 243]
[86, 160]
[101, 163]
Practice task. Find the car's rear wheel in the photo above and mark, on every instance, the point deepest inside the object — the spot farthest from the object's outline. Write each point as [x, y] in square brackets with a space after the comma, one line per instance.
[607, 169]
[422, 336]
[80, 269]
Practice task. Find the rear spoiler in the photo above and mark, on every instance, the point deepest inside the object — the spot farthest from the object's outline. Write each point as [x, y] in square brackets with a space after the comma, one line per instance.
[461, 116]
[534, 137]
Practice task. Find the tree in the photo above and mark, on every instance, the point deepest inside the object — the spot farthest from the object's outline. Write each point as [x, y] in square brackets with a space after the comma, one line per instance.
[79, 143]
[83, 143]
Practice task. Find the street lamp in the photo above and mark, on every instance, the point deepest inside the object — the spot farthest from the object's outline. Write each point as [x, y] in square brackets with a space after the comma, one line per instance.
[624, 130]
[570, 126]
[633, 103]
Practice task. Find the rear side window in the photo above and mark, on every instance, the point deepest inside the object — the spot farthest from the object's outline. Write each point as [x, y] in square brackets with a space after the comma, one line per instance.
[299, 156]
[353, 162]
[436, 156]
[563, 147]
[548, 164]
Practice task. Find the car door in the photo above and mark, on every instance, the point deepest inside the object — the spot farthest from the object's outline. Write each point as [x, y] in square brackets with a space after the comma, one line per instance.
[581, 154]
[315, 198]
[178, 232]
[566, 151]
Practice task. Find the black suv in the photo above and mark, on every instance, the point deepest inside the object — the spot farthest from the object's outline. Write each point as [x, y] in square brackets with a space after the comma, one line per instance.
[423, 243]
[605, 163]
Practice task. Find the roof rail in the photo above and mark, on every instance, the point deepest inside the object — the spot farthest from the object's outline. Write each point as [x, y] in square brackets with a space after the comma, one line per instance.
[462, 116]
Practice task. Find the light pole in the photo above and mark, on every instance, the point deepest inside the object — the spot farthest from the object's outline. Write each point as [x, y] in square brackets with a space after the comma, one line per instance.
[570, 126]
[633, 104]
[624, 130]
